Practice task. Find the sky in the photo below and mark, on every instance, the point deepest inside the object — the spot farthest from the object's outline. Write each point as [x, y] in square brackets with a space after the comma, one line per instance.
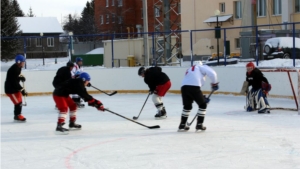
[53, 8]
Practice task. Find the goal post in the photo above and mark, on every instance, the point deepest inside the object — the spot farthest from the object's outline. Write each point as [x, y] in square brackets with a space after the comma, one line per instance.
[285, 84]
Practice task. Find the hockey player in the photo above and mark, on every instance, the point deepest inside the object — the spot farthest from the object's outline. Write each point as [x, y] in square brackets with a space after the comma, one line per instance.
[159, 83]
[62, 75]
[64, 102]
[77, 69]
[260, 87]
[191, 91]
[13, 89]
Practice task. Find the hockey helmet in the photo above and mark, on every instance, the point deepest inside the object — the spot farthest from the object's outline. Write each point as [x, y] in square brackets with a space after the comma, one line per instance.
[79, 59]
[19, 58]
[85, 76]
[250, 66]
[70, 64]
[141, 70]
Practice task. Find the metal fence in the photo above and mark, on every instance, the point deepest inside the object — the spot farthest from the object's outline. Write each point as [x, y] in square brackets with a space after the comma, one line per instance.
[162, 48]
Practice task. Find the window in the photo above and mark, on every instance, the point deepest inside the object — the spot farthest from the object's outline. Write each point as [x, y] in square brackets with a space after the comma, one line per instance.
[107, 3]
[28, 42]
[120, 20]
[297, 5]
[38, 42]
[50, 42]
[107, 18]
[112, 2]
[237, 43]
[120, 2]
[157, 12]
[222, 7]
[113, 18]
[101, 19]
[276, 7]
[238, 9]
[261, 7]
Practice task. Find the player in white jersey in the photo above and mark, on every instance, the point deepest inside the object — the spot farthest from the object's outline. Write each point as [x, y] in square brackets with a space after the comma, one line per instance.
[76, 71]
[191, 91]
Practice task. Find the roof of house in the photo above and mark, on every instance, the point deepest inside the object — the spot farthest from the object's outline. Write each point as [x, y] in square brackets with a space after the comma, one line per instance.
[39, 25]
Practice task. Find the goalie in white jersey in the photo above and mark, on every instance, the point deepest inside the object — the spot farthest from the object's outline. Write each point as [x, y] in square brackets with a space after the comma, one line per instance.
[76, 71]
[191, 91]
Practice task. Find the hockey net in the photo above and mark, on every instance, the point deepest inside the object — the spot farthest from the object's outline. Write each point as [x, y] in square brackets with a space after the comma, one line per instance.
[285, 84]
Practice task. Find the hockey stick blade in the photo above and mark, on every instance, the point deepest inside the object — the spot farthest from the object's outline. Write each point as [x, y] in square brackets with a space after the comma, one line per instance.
[113, 93]
[149, 127]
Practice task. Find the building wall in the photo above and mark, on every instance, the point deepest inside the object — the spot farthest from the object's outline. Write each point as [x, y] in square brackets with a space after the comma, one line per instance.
[194, 12]
[132, 14]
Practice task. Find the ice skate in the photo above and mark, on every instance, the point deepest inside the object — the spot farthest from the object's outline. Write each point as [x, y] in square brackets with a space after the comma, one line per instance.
[74, 126]
[200, 127]
[162, 114]
[182, 126]
[60, 130]
[265, 110]
[20, 118]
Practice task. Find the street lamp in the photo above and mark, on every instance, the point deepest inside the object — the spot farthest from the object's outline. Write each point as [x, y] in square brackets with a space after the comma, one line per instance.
[217, 33]
[71, 44]
[41, 34]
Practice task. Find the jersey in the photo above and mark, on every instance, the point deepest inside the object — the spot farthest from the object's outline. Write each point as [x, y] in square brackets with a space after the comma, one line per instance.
[63, 74]
[154, 77]
[195, 75]
[255, 79]
[73, 86]
[76, 70]
[12, 82]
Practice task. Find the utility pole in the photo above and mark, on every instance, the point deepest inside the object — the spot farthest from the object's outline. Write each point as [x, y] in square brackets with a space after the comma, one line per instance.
[145, 17]
[254, 24]
[167, 28]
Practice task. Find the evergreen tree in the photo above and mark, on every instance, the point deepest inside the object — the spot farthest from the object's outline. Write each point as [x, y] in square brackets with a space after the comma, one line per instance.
[30, 14]
[9, 28]
[87, 21]
[18, 11]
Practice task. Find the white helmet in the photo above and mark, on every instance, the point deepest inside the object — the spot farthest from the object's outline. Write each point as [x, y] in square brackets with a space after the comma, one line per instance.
[198, 63]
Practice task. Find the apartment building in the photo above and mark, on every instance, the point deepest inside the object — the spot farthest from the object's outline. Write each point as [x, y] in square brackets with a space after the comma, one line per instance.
[200, 14]
[124, 16]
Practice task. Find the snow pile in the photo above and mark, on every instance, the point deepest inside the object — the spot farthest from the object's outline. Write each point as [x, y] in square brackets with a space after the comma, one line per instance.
[96, 51]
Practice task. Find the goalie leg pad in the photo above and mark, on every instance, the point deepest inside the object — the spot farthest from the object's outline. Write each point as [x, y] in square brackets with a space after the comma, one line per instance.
[262, 101]
[251, 106]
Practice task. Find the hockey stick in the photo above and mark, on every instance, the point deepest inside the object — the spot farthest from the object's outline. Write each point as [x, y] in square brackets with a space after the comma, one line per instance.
[149, 127]
[109, 94]
[189, 124]
[135, 118]
[24, 104]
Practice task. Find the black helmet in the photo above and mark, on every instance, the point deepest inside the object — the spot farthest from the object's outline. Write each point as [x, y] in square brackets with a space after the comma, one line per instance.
[141, 70]
[70, 64]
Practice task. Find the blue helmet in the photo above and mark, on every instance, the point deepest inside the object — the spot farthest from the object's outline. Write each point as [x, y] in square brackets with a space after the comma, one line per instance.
[20, 58]
[79, 59]
[85, 76]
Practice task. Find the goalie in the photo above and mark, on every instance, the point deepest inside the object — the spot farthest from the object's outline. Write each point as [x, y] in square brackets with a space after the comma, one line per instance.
[257, 96]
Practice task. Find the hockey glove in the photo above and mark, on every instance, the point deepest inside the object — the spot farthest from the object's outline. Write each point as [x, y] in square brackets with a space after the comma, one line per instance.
[97, 104]
[207, 100]
[22, 78]
[215, 86]
[89, 85]
[24, 93]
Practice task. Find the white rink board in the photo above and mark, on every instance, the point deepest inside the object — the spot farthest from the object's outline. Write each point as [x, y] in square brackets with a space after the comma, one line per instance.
[230, 78]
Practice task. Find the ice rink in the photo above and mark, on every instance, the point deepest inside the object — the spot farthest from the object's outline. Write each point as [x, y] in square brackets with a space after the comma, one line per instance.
[234, 138]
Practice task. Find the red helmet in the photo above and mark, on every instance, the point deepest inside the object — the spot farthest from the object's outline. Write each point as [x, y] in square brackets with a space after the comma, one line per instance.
[250, 64]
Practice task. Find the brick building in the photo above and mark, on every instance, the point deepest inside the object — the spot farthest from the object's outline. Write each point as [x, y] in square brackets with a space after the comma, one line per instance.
[123, 16]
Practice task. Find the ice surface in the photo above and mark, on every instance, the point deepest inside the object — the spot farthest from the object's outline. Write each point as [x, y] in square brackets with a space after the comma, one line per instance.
[233, 139]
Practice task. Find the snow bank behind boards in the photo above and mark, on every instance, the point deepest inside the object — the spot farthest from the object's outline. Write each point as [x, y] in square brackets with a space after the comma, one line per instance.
[126, 80]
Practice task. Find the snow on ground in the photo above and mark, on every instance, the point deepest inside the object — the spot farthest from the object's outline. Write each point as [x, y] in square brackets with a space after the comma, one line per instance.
[234, 138]
[37, 64]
